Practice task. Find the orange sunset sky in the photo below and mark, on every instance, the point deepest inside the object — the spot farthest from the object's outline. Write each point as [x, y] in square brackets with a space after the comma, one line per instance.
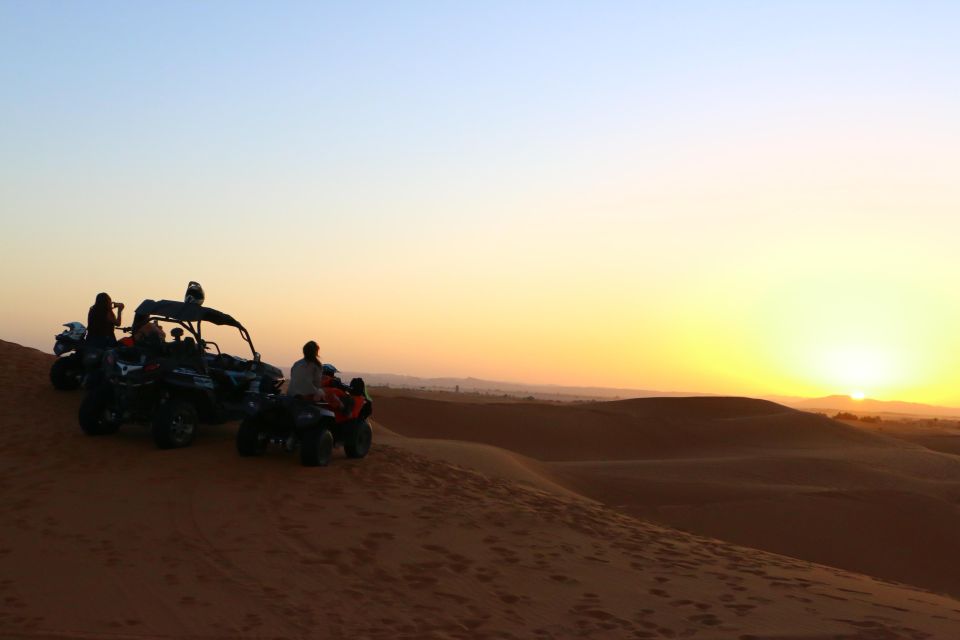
[743, 198]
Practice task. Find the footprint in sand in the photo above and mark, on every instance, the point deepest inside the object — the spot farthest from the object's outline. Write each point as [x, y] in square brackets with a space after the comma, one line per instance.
[251, 621]
[383, 535]
[740, 609]
[486, 575]
[452, 596]
[707, 619]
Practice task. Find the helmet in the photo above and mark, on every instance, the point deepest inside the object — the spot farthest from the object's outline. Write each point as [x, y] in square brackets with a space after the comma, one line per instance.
[329, 369]
[194, 293]
[74, 331]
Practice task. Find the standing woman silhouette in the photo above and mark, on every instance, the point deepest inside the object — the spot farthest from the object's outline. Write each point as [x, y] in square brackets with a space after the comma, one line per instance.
[101, 321]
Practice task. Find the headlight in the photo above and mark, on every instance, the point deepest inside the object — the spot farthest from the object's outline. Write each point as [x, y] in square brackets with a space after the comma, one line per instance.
[253, 405]
[305, 418]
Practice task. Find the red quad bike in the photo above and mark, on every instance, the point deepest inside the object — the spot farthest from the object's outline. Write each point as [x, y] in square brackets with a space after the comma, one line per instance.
[314, 428]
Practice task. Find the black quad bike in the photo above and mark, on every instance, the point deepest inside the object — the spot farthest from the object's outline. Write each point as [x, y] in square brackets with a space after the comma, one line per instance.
[74, 358]
[313, 428]
[174, 385]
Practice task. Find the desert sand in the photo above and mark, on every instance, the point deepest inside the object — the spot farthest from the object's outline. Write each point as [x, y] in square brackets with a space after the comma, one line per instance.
[476, 520]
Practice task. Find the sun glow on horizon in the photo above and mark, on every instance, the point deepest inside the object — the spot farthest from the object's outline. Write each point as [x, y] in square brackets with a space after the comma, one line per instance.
[705, 238]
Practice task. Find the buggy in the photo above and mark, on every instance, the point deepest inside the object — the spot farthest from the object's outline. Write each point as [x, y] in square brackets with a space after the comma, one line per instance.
[174, 385]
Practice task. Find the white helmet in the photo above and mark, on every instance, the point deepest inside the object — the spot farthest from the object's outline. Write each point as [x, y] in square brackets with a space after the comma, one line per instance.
[194, 293]
[74, 330]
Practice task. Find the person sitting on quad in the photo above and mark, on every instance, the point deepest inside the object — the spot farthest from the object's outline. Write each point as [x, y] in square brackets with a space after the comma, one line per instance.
[330, 378]
[150, 335]
[101, 321]
[307, 381]
[306, 375]
[335, 392]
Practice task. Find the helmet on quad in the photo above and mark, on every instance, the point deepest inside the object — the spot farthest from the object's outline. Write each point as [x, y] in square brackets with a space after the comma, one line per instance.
[194, 293]
[74, 331]
[328, 369]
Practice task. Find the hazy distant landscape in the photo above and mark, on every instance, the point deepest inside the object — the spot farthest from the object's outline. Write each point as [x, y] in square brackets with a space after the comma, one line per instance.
[837, 403]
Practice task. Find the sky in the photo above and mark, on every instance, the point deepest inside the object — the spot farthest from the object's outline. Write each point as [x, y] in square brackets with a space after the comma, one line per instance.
[723, 197]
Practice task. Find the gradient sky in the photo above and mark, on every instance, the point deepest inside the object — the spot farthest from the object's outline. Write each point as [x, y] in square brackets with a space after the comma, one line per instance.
[731, 197]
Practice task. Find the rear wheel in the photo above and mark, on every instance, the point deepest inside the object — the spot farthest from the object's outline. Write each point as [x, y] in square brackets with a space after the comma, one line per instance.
[357, 442]
[252, 436]
[316, 448]
[174, 424]
[65, 374]
[95, 415]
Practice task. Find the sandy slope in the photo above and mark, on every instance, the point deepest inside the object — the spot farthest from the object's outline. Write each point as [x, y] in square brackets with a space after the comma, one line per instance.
[111, 538]
[747, 471]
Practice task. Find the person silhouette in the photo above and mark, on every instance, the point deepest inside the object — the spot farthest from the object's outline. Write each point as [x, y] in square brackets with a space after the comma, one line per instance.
[101, 321]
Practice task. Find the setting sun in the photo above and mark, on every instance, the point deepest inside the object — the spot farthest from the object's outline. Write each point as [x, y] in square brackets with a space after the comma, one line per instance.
[858, 395]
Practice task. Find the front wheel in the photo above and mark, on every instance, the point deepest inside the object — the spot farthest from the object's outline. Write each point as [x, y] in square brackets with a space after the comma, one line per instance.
[65, 374]
[358, 441]
[95, 416]
[252, 436]
[174, 424]
[316, 448]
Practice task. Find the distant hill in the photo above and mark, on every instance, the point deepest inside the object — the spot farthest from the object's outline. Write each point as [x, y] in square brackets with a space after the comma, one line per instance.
[541, 391]
[867, 405]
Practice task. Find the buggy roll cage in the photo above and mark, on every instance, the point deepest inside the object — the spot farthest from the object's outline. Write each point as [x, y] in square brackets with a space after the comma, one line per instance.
[191, 317]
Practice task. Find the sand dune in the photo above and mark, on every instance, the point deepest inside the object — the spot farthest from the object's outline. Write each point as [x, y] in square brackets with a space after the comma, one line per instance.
[748, 471]
[111, 538]
[621, 430]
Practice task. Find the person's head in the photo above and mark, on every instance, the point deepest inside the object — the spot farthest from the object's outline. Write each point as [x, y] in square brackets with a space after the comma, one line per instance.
[310, 352]
[329, 370]
[150, 332]
[103, 301]
[139, 320]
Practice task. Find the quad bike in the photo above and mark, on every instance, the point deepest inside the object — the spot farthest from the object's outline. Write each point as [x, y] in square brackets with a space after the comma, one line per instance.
[313, 428]
[74, 358]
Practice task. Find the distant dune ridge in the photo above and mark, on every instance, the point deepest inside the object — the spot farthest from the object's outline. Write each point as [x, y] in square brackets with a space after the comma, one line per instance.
[620, 430]
[472, 520]
[832, 403]
[478, 385]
